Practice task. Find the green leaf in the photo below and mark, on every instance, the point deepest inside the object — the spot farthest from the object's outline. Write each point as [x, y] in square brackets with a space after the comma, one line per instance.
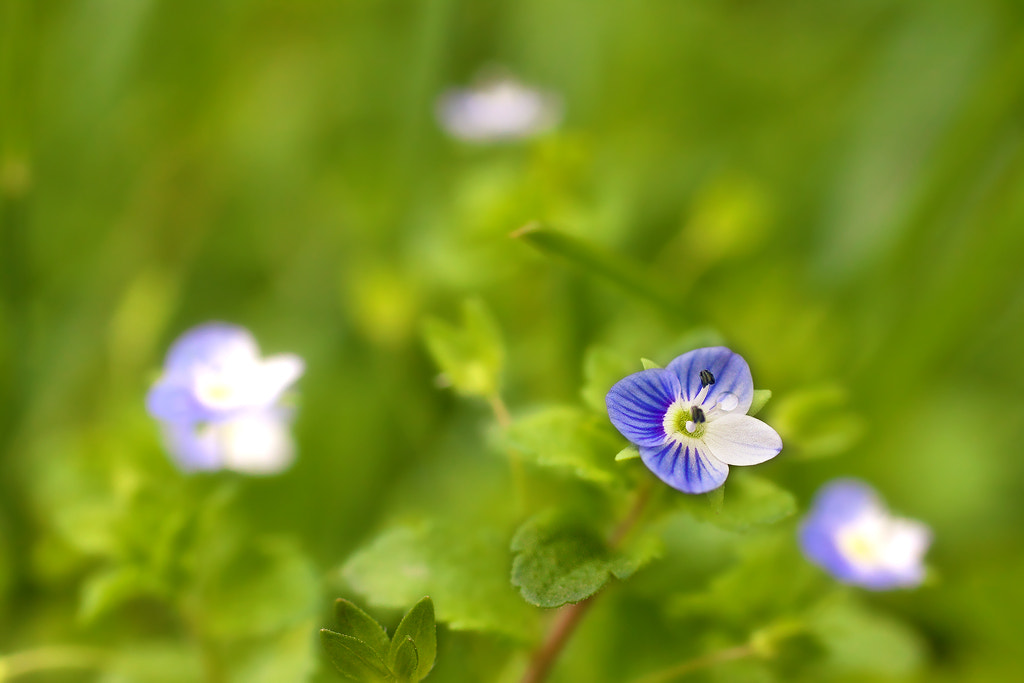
[862, 642]
[761, 398]
[559, 560]
[569, 438]
[405, 663]
[356, 623]
[602, 367]
[353, 658]
[649, 364]
[107, 590]
[417, 625]
[462, 566]
[628, 453]
[747, 502]
[614, 267]
[471, 355]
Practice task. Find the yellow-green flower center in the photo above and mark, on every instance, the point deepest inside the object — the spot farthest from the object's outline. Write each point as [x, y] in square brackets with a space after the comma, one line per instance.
[684, 420]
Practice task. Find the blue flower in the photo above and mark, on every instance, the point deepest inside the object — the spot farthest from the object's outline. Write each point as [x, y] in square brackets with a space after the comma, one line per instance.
[689, 419]
[850, 534]
[218, 401]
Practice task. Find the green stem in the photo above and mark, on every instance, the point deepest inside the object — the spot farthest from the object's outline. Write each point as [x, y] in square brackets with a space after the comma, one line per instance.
[501, 413]
[48, 659]
[702, 662]
[515, 461]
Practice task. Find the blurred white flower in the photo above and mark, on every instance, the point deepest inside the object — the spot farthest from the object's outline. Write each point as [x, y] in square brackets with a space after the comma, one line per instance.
[498, 109]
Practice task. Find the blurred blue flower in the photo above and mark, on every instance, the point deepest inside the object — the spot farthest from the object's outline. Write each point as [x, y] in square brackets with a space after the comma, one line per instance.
[218, 402]
[214, 371]
[689, 419]
[850, 534]
[499, 109]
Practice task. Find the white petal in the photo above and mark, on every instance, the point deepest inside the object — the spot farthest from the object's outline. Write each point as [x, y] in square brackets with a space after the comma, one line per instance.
[742, 440]
[246, 383]
[280, 372]
[256, 443]
[906, 544]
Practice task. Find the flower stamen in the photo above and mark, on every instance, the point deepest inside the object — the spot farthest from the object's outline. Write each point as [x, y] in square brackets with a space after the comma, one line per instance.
[706, 378]
[697, 418]
[698, 400]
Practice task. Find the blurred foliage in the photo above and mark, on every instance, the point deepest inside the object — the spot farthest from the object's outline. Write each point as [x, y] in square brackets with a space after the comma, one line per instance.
[833, 189]
[470, 356]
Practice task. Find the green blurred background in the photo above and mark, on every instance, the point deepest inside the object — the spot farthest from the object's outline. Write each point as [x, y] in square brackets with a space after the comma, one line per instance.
[836, 189]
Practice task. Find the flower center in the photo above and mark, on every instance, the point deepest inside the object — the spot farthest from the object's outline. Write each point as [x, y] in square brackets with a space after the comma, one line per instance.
[684, 420]
[227, 386]
[863, 540]
[688, 418]
[876, 539]
[216, 391]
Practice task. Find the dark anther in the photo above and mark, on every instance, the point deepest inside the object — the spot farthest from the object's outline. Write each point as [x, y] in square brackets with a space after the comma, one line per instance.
[698, 415]
[706, 378]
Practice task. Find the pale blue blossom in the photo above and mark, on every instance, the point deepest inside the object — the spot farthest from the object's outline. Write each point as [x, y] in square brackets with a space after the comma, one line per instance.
[219, 402]
[850, 533]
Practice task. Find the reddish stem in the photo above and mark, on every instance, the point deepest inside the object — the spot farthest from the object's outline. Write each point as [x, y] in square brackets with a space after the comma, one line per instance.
[561, 630]
[569, 617]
